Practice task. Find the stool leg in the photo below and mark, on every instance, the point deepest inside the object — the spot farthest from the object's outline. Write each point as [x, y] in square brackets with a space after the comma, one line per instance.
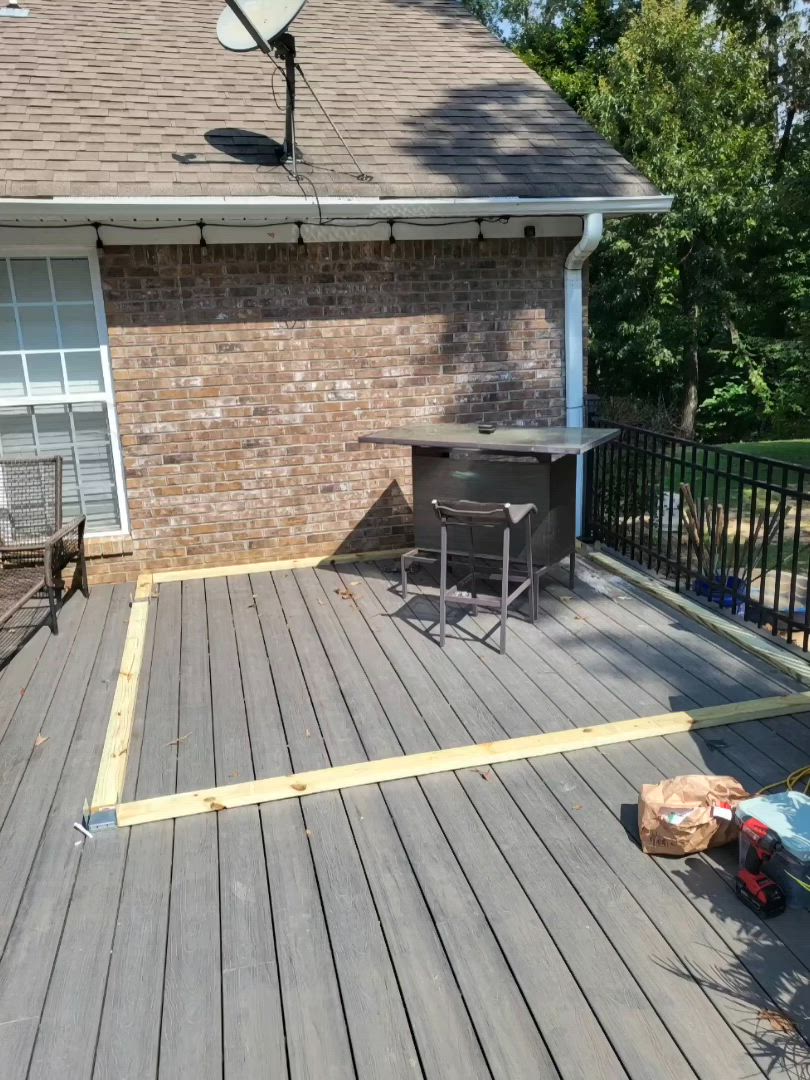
[403, 572]
[504, 588]
[530, 570]
[443, 586]
[572, 559]
[473, 582]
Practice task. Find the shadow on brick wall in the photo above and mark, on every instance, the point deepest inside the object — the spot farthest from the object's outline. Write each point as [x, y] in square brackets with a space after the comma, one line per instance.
[385, 525]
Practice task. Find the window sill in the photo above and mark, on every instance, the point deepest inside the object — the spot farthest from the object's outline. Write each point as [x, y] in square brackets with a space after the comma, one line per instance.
[99, 546]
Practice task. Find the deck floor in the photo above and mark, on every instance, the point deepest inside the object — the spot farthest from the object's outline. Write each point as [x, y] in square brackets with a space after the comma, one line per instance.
[496, 922]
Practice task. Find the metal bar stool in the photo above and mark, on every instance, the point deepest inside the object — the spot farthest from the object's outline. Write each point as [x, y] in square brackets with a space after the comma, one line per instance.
[465, 513]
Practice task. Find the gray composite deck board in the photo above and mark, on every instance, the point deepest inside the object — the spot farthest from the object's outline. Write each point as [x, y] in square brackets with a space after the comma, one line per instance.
[17, 745]
[756, 969]
[39, 917]
[252, 1017]
[83, 949]
[38, 782]
[714, 685]
[191, 1030]
[748, 747]
[317, 1034]
[411, 929]
[17, 673]
[530, 952]
[700, 1007]
[509, 1036]
[129, 1036]
[382, 1041]
[757, 675]
[788, 930]
[725, 921]
[625, 1014]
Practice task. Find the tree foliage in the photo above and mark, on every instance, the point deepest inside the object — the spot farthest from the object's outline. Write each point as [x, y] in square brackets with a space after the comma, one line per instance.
[709, 304]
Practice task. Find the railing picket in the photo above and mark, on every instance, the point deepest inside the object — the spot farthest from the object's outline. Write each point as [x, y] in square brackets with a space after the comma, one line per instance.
[633, 484]
[794, 562]
[766, 538]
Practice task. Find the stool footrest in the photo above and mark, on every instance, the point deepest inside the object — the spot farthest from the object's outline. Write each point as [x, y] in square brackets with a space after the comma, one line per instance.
[485, 601]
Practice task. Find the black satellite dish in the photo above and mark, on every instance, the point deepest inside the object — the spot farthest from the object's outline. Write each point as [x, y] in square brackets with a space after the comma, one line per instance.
[262, 24]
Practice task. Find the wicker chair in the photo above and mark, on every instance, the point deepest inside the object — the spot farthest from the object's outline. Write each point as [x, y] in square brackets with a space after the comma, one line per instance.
[35, 547]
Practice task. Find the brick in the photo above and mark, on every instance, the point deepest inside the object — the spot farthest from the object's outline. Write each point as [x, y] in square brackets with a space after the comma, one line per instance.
[250, 452]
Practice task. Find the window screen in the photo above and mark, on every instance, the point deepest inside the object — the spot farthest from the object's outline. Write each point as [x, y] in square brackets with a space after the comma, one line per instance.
[55, 390]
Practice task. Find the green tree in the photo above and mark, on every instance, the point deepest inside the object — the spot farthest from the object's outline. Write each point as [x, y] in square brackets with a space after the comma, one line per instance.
[571, 44]
[686, 100]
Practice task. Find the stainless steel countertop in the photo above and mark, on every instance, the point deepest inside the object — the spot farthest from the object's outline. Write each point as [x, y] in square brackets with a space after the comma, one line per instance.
[557, 441]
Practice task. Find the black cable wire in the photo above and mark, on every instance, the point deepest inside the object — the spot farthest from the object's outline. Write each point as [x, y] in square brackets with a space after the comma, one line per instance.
[361, 173]
[336, 222]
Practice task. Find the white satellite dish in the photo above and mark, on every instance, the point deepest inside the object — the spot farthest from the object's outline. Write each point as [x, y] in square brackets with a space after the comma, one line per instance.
[262, 24]
[268, 18]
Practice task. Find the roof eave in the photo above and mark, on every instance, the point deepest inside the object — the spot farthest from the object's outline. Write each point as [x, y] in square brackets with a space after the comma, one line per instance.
[168, 210]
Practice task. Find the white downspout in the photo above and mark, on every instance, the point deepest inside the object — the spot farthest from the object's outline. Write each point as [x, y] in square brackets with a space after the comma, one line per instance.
[574, 353]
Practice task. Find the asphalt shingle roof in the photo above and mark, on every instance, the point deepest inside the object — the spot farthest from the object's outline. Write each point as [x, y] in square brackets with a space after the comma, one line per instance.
[139, 99]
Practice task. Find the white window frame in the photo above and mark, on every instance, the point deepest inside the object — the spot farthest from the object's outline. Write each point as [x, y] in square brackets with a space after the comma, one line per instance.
[107, 396]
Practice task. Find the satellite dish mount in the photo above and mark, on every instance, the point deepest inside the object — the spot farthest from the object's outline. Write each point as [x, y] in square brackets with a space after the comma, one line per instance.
[262, 24]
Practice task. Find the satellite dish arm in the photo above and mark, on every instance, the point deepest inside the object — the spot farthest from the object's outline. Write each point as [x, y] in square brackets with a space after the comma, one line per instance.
[285, 49]
[248, 25]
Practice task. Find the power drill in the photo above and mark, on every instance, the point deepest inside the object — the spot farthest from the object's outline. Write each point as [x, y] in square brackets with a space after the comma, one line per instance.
[753, 886]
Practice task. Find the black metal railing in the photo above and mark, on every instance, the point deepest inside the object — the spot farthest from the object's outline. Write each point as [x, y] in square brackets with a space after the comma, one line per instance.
[731, 527]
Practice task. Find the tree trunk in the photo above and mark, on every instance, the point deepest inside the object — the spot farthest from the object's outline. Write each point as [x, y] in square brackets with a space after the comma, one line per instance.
[689, 409]
[690, 397]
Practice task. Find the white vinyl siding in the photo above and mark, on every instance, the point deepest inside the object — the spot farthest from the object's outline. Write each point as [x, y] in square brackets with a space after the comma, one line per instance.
[55, 386]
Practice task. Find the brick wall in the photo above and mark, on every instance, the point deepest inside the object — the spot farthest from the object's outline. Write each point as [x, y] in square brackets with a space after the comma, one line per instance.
[244, 376]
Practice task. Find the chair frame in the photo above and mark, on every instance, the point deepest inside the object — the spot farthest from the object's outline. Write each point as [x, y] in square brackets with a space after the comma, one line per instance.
[35, 545]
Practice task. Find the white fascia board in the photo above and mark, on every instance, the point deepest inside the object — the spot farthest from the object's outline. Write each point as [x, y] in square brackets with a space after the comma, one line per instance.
[167, 210]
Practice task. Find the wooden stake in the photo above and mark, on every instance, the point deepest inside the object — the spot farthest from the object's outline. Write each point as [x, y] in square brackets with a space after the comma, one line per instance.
[279, 564]
[113, 766]
[296, 785]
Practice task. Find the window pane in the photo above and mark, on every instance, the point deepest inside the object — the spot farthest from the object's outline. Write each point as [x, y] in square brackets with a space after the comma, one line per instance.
[79, 329]
[5, 288]
[53, 430]
[45, 373]
[31, 282]
[84, 372]
[96, 466]
[12, 383]
[9, 338]
[16, 433]
[71, 279]
[38, 328]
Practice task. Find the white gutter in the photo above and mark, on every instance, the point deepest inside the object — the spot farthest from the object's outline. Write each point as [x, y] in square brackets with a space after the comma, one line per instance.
[574, 352]
[264, 209]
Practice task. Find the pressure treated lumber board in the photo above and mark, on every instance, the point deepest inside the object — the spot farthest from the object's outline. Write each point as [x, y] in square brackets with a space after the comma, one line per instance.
[278, 564]
[112, 769]
[783, 659]
[273, 788]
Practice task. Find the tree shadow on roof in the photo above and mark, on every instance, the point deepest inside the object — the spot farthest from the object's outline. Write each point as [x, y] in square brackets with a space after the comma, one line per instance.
[515, 137]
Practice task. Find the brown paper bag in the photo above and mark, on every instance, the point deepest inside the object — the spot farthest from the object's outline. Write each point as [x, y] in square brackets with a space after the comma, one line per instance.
[686, 814]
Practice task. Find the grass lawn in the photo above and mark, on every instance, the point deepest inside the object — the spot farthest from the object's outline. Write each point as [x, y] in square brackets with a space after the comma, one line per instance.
[793, 451]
